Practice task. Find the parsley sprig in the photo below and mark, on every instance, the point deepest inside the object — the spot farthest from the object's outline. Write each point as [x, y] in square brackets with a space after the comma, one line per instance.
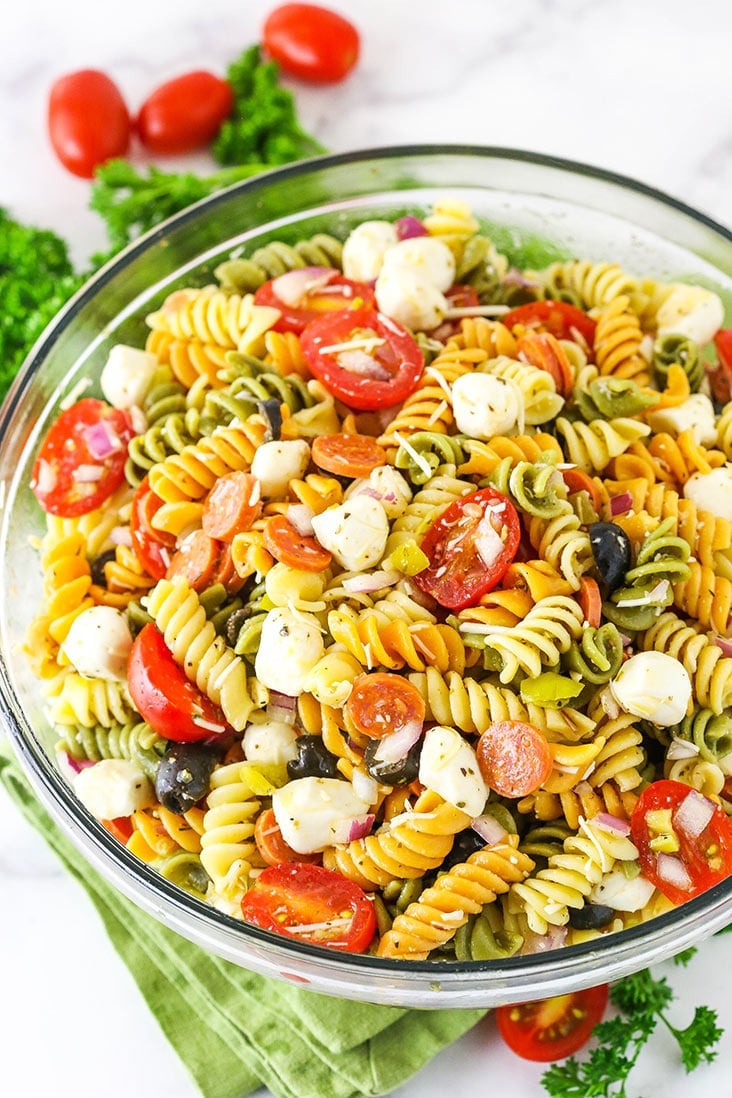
[642, 1001]
[261, 132]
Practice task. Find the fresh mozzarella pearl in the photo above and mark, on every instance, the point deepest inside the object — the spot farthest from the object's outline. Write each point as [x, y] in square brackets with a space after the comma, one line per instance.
[696, 413]
[363, 251]
[654, 686]
[393, 490]
[126, 376]
[691, 311]
[98, 643]
[275, 464]
[311, 812]
[712, 491]
[449, 766]
[355, 532]
[426, 257]
[270, 743]
[291, 645]
[112, 788]
[409, 299]
[485, 406]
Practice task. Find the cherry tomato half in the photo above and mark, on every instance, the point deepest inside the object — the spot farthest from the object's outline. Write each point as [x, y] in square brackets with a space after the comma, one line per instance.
[562, 320]
[81, 461]
[469, 547]
[378, 365]
[306, 294]
[514, 758]
[311, 904]
[185, 113]
[311, 42]
[151, 546]
[720, 377]
[88, 121]
[550, 1029]
[164, 696]
[380, 704]
[697, 859]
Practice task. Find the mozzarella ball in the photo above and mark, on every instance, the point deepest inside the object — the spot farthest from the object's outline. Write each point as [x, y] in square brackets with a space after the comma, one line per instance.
[269, 743]
[449, 766]
[364, 250]
[691, 311]
[313, 813]
[696, 413]
[290, 646]
[654, 686]
[391, 487]
[410, 300]
[127, 375]
[712, 491]
[112, 788]
[98, 643]
[485, 406]
[275, 464]
[355, 532]
[427, 258]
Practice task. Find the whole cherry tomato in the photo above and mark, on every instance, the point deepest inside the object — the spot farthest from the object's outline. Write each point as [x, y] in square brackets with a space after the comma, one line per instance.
[88, 121]
[185, 113]
[311, 42]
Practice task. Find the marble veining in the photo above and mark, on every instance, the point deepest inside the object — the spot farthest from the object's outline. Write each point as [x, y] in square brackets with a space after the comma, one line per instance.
[638, 88]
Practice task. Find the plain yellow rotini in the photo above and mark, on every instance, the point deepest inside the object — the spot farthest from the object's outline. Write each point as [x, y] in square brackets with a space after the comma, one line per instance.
[227, 841]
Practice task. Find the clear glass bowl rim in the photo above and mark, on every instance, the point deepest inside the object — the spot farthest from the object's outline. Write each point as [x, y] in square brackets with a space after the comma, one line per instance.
[363, 977]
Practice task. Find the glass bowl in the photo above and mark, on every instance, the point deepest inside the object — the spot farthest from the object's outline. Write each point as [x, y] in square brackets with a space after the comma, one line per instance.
[537, 209]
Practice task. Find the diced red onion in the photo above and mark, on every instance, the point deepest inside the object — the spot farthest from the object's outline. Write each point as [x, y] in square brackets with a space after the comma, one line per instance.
[724, 644]
[120, 535]
[620, 505]
[101, 440]
[681, 749]
[627, 641]
[612, 823]
[693, 814]
[281, 707]
[75, 765]
[515, 277]
[673, 871]
[555, 938]
[397, 744]
[293, 286]
[409, 227]
[345, 831]
[300, 516]
[489, 829]
[88, 474]
[370, 581]
[46, 479]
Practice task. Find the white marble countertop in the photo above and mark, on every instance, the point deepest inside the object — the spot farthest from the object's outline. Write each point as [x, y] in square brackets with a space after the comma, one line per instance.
[642, 89]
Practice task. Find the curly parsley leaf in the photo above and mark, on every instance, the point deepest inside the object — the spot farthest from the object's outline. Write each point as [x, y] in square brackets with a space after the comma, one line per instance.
[263, 124]
[36, 279]
[642, 1000]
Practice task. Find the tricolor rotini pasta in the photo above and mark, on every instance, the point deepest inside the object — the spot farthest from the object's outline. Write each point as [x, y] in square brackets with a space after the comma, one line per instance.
[360, 584]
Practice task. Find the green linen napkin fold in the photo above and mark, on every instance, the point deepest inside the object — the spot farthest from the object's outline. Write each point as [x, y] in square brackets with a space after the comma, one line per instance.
[235, 1030]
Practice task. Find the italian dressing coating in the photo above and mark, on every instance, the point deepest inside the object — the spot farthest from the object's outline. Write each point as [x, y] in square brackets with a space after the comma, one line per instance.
[525, 464]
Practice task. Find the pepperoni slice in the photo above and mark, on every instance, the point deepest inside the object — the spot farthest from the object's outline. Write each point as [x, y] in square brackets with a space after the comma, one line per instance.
[381, 703]
[348, 455]
[196, 560]
[282, 540]
[514, 758]
[231, 506]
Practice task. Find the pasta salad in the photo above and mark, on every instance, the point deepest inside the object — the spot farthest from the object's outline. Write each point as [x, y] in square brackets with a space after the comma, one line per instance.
[387, 593]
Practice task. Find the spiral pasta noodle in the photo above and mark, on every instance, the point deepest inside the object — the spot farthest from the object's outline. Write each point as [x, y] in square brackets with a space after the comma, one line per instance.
[369, 573]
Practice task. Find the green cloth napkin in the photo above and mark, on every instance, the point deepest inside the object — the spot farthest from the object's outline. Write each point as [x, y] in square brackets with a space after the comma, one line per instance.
[235, 1030]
